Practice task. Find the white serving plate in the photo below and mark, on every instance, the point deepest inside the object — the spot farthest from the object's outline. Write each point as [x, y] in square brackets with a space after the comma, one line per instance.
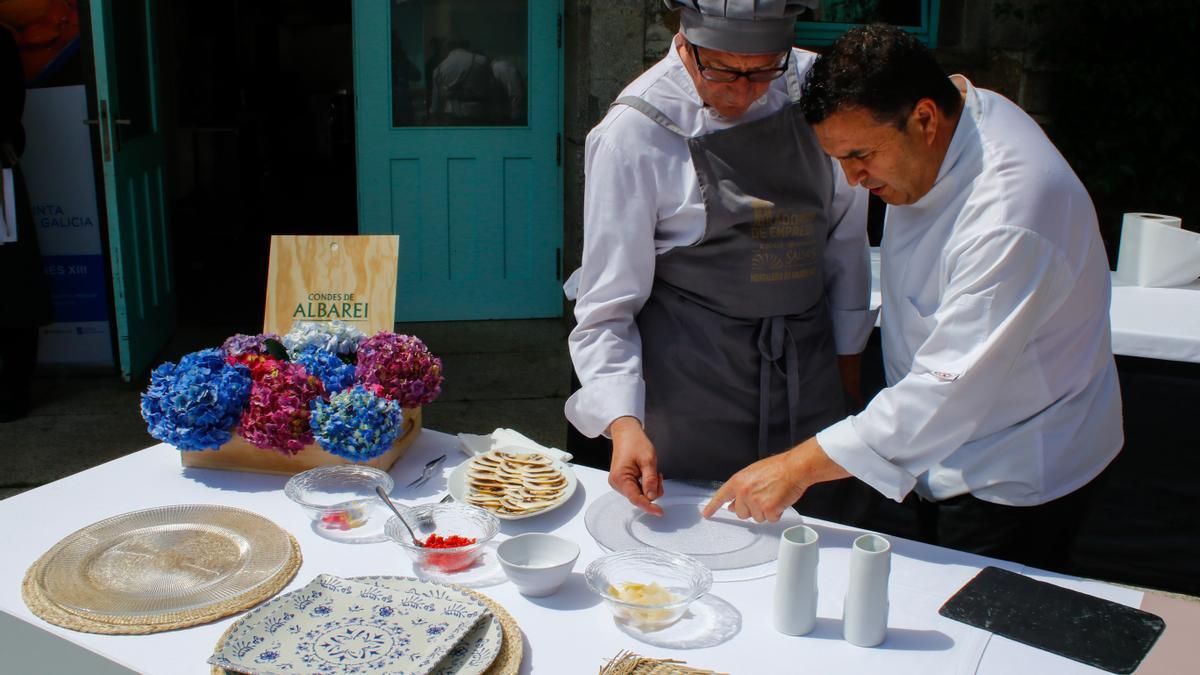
[459, 489]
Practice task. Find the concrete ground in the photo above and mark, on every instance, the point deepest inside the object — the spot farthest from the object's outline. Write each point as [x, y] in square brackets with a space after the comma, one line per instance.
[514, 374]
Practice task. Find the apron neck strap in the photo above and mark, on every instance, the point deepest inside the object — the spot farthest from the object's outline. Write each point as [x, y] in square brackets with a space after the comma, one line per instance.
[650, 111]
[793, 80]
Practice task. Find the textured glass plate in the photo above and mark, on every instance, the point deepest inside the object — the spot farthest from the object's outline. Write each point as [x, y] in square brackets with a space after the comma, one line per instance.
[722, 542]
[164, 560]
[261, 635]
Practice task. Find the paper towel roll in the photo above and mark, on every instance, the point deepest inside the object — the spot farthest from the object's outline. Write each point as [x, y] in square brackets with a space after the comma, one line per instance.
[1157, 251]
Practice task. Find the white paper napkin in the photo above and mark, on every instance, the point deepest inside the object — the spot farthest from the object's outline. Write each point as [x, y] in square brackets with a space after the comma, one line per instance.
[506, 439]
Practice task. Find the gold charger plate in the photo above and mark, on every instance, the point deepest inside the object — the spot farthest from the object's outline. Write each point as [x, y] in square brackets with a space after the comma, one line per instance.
[31, 593]
[168, 561]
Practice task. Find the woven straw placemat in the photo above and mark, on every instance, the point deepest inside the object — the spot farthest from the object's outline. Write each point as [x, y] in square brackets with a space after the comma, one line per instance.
[628, 663]
[508, 661]
[37, 602]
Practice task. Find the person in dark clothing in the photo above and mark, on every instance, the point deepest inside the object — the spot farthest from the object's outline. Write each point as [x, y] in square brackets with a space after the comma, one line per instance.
[26, 303]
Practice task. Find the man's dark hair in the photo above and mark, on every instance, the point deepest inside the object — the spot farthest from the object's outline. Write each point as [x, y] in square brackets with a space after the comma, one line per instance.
[881, 69]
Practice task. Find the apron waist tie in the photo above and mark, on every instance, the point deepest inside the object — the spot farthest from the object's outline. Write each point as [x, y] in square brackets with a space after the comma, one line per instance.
[775, 342]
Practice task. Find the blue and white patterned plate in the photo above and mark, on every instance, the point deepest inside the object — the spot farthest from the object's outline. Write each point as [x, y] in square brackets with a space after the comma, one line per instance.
[478, 648]
[366, 625]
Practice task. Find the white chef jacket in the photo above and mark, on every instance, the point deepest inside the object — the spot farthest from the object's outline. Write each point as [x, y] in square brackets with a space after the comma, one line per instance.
[996, 339]
[641, 199]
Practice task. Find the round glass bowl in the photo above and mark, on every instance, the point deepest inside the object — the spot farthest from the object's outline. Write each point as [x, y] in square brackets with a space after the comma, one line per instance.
[648, 589]
[445, 520]
[341, 501]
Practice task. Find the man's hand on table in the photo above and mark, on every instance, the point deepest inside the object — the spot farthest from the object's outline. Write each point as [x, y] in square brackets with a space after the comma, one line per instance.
[765, 488]
[634, 468]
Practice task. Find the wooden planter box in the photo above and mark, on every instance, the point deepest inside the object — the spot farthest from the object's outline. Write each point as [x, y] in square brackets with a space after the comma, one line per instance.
[238, 455]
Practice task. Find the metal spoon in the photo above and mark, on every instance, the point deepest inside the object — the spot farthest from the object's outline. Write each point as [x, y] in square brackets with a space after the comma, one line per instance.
[383, 495]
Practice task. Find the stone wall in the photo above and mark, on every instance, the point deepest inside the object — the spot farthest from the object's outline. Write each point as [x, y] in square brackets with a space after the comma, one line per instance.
[992, 43]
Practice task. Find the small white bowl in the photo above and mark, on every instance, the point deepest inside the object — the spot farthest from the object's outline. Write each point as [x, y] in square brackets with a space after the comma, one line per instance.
[537, 563]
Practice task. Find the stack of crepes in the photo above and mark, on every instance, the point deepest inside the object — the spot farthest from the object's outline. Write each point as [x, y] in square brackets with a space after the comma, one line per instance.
[514, 483]
[365, 624]
[510, 474]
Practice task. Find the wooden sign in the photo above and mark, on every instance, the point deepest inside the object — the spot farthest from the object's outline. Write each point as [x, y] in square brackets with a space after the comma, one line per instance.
[322, 278]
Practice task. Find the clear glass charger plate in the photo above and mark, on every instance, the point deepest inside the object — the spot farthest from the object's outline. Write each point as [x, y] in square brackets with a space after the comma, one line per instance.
[733, 549]
[164, 560]
[472, 655]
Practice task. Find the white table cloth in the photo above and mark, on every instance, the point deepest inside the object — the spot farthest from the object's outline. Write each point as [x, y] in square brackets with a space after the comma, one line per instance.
[1156, 323]
[566, 633]
[1153, 323]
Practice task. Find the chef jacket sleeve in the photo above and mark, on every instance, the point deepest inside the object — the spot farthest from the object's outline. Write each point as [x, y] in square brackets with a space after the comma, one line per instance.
[1001, 286]
[848, 267]
[619, 218]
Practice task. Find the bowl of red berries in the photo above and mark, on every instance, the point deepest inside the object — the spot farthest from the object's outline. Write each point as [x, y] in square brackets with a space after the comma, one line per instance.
[446, 537]
[341, 501]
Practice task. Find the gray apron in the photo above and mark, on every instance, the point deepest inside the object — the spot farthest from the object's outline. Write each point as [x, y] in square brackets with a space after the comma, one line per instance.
[737, 342]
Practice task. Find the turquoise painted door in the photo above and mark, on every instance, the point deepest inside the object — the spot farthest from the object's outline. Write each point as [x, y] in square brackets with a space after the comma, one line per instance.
[458, 128]
[133, 156]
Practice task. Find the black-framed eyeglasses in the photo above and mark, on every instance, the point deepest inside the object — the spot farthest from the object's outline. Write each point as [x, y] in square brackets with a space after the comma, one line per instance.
[726, 75]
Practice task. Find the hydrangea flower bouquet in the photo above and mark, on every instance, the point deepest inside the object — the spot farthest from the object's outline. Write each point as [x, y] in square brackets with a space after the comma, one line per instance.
[324, 393]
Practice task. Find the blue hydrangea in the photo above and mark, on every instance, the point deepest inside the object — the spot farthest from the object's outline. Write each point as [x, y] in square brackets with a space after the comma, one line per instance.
[356, 424]
[196, 404]
[334, 373]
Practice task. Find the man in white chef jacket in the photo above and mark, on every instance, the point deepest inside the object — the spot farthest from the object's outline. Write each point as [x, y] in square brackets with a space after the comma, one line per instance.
[1002, 404]
[725, 267]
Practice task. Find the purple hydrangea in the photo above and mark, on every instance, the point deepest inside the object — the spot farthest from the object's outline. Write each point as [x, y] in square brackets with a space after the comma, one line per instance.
[277, 416]
[194, 405]
[402, 366]
[239, 344]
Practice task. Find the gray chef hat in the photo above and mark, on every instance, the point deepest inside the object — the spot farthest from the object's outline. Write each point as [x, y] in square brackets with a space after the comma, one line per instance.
[740, 26]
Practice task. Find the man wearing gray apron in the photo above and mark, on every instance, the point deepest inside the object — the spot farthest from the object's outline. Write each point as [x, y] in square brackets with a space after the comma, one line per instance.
[737, 347]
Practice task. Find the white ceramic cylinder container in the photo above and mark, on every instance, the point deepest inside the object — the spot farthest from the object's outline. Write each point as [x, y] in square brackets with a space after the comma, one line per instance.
[796, 581]
[865, 613]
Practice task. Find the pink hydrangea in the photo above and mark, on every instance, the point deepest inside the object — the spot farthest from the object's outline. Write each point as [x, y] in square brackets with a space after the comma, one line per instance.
[400, 367]
[277, 416]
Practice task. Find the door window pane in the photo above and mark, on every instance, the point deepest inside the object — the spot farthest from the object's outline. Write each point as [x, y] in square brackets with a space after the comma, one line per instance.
[824, 20]
[132, 99]
[896, 12]
[459, 62]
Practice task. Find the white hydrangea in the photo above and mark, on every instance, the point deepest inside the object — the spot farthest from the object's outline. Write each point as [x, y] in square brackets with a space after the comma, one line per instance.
[336, 336]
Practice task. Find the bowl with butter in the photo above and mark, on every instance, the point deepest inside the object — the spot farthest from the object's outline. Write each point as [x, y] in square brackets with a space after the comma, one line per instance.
[648, 589]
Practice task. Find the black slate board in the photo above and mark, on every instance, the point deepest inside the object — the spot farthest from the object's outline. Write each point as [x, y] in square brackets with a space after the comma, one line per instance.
[1082, 627]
